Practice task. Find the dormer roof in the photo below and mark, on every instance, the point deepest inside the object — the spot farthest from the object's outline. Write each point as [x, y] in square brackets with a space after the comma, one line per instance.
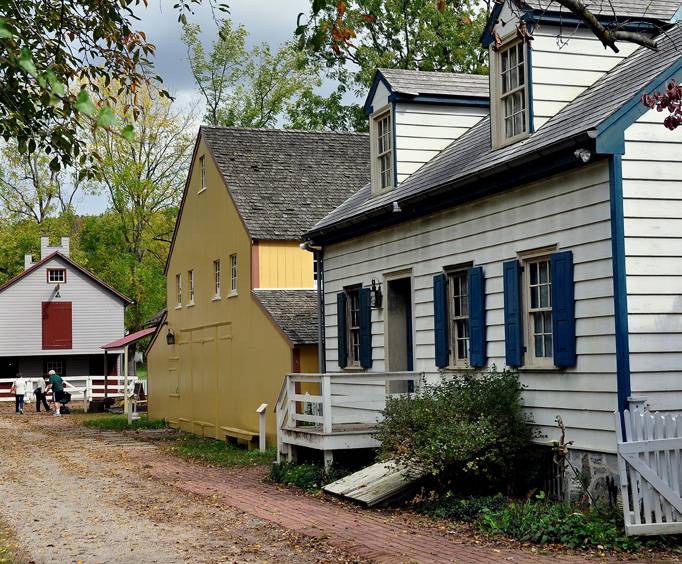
[663, 10]
[469, 168]
[431, 86]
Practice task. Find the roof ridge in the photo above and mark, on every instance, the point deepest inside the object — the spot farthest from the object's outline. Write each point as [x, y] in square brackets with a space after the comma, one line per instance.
[283, 130]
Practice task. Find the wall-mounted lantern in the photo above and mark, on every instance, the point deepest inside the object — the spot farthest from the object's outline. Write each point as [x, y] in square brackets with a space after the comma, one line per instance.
[56, 292]
[376, 295]
[170, 337]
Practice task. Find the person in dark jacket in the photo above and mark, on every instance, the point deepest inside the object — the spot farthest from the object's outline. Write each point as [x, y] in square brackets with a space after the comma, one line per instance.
[39, 386]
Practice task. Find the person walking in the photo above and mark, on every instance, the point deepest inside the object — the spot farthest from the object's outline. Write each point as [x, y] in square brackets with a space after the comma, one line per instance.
[39, 393]
[56, 385]
[19, 391]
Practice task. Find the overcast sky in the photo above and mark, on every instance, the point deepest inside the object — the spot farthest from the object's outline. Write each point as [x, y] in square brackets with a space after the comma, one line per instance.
[272, 21]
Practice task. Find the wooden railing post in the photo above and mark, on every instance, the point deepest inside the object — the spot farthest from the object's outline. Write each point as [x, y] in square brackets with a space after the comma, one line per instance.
[327, 403]
[291, 411]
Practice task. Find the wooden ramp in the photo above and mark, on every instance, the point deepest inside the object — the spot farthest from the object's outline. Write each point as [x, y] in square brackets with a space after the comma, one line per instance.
[375, 484]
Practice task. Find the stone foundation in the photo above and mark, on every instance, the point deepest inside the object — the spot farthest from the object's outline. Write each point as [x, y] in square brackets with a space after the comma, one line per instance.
[598, 474]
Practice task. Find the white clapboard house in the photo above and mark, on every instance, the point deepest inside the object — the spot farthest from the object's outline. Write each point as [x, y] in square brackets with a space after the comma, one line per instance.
[55, 315]
[531, 220]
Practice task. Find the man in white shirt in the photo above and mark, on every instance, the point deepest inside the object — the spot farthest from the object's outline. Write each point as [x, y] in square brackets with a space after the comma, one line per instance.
[19, 391]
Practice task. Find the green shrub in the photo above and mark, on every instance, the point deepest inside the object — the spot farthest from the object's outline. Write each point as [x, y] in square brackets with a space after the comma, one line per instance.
[309, 477]
[466, 509]
[120, 423]
[544, 522]
[468, 430]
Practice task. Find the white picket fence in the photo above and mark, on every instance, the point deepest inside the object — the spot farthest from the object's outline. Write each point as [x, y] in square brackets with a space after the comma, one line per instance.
[650, 465]
[81, 388]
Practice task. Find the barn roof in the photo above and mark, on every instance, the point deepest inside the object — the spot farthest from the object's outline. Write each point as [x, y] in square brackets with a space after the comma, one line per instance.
[294, 312]
[72, 263]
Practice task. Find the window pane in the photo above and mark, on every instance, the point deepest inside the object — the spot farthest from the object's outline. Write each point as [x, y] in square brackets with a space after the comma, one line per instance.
[544, 296]
[548, 346]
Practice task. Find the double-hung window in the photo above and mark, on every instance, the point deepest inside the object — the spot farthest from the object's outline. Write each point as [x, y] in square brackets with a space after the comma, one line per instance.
[354, 327]
[510, 111]
[216, 278]
[458, 311]
[178, 290]
[539, 310]
[233, 275]
[202, 166]
[190, 282]
[384, 151]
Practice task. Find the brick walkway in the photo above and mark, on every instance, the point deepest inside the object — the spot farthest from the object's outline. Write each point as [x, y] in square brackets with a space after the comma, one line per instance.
[384, 537]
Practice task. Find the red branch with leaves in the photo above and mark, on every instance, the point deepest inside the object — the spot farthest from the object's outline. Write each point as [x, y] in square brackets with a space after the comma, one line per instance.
[670, 100]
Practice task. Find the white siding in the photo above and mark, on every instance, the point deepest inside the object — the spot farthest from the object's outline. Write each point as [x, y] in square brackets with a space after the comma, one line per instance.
[97, 315]
[652, 190]
[423, 130]
[571, 211]
[563, 67]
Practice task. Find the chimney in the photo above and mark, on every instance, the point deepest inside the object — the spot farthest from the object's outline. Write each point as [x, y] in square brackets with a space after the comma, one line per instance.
[28, 261]
[47, 250]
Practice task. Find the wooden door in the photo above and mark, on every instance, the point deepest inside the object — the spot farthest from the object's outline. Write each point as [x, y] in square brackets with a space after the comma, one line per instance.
[57, 325]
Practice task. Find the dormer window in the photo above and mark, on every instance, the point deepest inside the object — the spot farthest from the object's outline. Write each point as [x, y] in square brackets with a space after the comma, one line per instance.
[382, 149]
[510, 114]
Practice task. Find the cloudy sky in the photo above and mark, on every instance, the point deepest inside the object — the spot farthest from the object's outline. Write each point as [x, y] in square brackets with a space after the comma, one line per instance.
[272, 21]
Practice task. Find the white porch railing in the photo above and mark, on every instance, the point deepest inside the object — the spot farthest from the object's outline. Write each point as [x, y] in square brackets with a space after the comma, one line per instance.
[81, 388]
[334, 403]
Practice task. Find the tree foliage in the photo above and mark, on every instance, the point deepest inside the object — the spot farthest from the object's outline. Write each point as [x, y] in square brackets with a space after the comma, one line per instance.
[670, 100]
[425, 35]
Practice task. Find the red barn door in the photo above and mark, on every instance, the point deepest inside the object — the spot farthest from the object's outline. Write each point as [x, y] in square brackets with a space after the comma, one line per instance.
[57, 325]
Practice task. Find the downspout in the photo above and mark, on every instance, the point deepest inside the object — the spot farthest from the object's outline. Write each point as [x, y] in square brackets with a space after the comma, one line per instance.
[318, 254]
[620, 294]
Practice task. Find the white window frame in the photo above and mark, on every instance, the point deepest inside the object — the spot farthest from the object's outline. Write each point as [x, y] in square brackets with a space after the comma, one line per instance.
[233, 274]
[216, 279]
[51, 271]
[191, 287]
[499, 97]
[353, 329]
[381, 153]
[178, 290]
[542, 307]
[202, 171]
[458, 317]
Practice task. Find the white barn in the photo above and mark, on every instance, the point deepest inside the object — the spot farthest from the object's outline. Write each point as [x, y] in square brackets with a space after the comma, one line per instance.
[57, 315]
[541, 235]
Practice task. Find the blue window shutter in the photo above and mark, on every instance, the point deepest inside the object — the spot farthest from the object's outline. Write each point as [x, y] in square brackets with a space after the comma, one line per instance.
[341, 324]
[513, 322]
[563, 309]
[440, 311]
[477, 343]
[365, 329]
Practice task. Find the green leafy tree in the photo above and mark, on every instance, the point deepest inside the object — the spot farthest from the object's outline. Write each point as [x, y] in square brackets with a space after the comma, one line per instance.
[425, 35]
[143, 180]
[316, 112]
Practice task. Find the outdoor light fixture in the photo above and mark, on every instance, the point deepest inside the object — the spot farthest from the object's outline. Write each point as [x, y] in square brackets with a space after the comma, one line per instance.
[56, 292]
[170, 337]
[396, 207]
[376, 295]
[583, 155]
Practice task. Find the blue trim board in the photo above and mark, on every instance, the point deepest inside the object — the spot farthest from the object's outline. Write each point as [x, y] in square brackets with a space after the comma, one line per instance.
[620, 293]
[529, 78]
[378, 79]
[611, 132]
[678, 15]
[487, 36]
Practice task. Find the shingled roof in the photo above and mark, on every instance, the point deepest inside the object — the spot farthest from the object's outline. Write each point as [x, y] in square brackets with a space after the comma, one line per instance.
[471, 159]
[423, 83]
[662, 10]
[294, 311]
[283, 182]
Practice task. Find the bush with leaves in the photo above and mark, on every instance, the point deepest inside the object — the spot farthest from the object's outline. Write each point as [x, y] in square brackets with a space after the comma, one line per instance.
[309, 477]
[468, 429]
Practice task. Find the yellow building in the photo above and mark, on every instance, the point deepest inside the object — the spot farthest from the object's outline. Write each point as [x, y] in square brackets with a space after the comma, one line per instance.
[242, 309]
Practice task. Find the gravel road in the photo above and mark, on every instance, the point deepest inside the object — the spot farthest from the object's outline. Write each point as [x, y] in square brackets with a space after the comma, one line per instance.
[75, 495]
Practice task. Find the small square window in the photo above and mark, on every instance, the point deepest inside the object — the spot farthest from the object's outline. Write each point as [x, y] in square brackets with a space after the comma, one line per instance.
[56, 275]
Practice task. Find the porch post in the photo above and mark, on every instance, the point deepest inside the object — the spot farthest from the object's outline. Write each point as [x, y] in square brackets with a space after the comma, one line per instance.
[326, 403]
[126, 403]
[106, 370]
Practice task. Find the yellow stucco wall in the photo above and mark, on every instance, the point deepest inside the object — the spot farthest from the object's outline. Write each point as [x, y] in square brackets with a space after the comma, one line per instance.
[228, 357]
[283, 264]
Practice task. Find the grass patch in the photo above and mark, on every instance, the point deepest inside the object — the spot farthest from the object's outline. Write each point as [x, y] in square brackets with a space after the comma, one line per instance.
[120, 423]
[9, 550]
[218, 453]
